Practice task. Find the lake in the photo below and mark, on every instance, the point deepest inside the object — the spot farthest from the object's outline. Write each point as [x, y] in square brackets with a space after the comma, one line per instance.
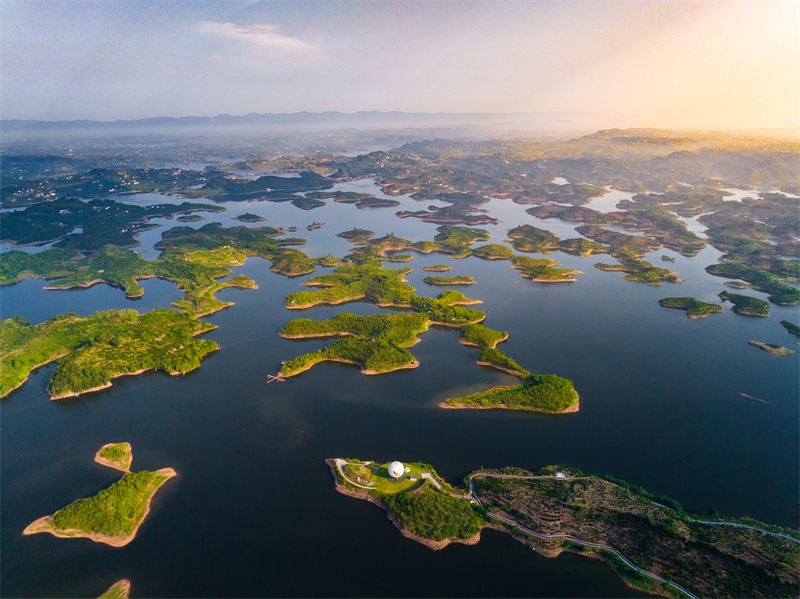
[665, 402]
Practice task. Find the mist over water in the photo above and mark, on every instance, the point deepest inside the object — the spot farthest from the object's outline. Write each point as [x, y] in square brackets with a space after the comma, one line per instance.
[253, 512]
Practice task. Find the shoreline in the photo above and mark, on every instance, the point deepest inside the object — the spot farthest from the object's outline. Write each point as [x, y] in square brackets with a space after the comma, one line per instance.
[413, 364]
[364, 495]
[115, 464]
[575, 407]
[44, 524]
[494, 345]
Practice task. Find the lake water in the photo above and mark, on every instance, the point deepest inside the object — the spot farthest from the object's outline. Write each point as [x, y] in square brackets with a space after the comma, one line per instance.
[254, 512]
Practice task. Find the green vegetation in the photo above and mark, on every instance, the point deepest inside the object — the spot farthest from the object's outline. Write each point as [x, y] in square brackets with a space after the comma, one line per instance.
[190, 218]
[527, 238]
[718, 561]
[119, 590]
[100, 223]
[355, 235]
[376, 342]
[759, 280]
[791, 327]
[115, 455]
[269, 187]
[694, 308]
[115, 512]
[361, 200]
[538, 392]
[99, 182]
[249, 218]
[772, 349]
[480, 336]
[91, 350]
[498, 359]
[459, 280]
[432, 514]
[746, 305]
[386, 288]
[306, 203]
[437, 268]
[494, 251]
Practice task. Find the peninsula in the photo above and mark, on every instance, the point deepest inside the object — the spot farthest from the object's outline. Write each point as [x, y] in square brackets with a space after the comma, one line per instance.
[114, 515]
[649, 541]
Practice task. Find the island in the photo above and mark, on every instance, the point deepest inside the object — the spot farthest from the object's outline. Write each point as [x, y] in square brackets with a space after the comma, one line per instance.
[113, 516]
[437, 268]
[772, 349]
[190, 218]
[119, 590]
[478, 335]
[459, 280]
[546, 393]
[92, 350]
[745, 304]
[115, 455]
[249, 218]
[651, 542]
[377, 343]
[791, 327]
[693, 307]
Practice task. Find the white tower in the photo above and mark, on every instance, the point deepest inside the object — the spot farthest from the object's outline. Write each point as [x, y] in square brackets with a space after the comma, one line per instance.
[396, 469]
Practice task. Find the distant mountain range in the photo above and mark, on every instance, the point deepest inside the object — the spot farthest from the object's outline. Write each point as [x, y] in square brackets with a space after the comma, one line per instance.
[333, 120]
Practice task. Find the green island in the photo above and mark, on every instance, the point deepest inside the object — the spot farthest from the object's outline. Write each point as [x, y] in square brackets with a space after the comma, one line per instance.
[496, 358]
[437, 268]
[736, 284]
[547, 393]
[361, 200]
[746, 305]
[115, 455]
[539, 270]
[527, 238]
[694, 308]
[628, 249]
[190, 218]
[113, 516]
[791, 327]
[772, 349]
[478, 335]
[249, 218]
[649, 541]
[459, 280]
[119, 590]
[356, 235]
[376, 342]
[92, 350]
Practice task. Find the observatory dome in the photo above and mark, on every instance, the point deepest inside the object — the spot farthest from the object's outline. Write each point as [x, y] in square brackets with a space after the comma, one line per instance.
[396, 469]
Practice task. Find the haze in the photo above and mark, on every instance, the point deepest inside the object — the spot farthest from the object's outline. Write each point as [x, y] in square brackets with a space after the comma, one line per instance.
[679, 65]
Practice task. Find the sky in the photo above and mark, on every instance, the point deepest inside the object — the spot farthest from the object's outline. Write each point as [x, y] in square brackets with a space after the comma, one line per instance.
[714, 65]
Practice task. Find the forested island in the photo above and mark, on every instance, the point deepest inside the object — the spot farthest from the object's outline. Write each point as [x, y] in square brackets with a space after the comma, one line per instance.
[114, 515]
[538, 393]
[694, 308]
[649, 541]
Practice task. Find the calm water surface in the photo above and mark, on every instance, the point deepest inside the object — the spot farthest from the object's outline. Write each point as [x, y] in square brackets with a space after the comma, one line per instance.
[253, 511]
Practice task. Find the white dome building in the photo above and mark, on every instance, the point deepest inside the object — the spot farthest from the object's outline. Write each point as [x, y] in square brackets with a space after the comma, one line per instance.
[396, 469]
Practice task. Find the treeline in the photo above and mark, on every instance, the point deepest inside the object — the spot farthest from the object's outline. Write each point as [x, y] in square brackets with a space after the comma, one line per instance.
[433, 514]
[114, 511]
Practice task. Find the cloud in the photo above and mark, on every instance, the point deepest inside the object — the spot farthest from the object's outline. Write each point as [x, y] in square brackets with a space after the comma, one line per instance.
[261, 35]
